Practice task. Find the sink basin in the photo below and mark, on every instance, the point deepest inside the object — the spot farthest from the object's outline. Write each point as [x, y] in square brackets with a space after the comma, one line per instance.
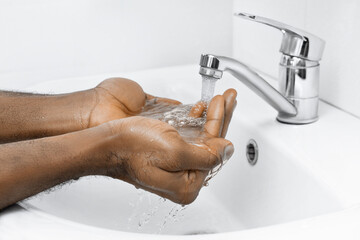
[304, 173]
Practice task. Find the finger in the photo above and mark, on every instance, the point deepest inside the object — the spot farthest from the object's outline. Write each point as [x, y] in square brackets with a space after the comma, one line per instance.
[230, 104]
[197, 110]
[163, 100]
[168, 101]
[215, 116]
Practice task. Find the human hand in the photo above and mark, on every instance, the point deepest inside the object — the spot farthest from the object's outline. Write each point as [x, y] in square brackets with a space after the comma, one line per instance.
[117, 98]
[151, 154]
[226, 103]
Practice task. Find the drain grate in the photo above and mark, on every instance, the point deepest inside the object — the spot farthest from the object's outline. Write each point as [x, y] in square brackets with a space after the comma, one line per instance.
[252, 152]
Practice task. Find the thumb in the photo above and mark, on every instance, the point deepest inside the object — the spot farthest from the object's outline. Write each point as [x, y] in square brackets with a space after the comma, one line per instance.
[223, 149]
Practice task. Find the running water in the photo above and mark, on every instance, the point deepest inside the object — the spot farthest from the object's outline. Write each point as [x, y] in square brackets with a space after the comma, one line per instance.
[208, 88]
[152, 214]
[207, 93]
[175, 215]
[140, 216]
[178, 116]
[191, 130]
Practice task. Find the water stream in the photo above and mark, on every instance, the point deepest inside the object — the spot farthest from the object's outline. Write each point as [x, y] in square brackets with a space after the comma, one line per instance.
[191, 130]
[208, 88]
[148, 213]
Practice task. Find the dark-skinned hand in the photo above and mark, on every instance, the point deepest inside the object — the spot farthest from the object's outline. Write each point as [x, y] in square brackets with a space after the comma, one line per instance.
[151, 154]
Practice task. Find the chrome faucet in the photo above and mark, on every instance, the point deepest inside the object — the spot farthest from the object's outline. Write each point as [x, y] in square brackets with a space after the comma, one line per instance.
[298, 95]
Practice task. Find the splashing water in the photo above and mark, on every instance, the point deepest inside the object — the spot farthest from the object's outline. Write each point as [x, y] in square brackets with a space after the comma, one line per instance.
[207, 93]
[175, 215]
[208, 88]
[178, 116]
[147, 213]
[215, 171]
[144, 209]
[189, 128]
[191, 131]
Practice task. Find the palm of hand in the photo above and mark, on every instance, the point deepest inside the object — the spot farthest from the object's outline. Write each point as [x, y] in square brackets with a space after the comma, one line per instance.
[118, 98]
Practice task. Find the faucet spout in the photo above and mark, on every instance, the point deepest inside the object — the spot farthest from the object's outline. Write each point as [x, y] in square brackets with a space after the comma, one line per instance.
[214, 66]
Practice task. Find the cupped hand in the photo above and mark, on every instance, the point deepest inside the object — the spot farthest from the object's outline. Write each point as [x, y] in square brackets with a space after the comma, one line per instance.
[219, 116]
[117, 98]
[151, 154]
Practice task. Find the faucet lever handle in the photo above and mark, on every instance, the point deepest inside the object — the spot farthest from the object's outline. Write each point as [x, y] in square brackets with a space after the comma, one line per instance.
[295, 42]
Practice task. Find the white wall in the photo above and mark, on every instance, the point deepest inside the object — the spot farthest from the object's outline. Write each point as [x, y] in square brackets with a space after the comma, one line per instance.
[337, 22]
[49, 39]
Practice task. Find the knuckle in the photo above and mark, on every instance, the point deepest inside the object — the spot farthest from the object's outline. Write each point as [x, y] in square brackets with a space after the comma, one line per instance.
[185, 198]
[189, 198]
[190, 189]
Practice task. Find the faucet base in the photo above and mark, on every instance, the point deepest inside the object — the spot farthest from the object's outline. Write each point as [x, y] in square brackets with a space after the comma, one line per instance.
[286, 121]
[307, 112]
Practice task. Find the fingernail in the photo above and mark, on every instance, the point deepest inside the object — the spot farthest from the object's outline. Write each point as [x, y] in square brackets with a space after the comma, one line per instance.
[228, 152]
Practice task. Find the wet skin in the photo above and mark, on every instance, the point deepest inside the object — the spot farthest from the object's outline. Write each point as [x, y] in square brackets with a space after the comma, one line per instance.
[97, 132]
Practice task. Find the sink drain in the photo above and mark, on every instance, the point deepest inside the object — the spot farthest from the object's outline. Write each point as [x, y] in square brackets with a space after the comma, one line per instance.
[252, 152]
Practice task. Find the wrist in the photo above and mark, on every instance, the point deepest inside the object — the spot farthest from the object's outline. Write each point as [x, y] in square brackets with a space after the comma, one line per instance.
[88, 148]
[78, 107]
[102, 149]
[66, 113]
[110, 153]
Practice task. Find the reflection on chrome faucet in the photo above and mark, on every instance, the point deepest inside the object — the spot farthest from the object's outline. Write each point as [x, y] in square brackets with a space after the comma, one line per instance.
[297, 98]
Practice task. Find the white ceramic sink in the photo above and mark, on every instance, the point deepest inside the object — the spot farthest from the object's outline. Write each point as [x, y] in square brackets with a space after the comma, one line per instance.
[305, 179]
